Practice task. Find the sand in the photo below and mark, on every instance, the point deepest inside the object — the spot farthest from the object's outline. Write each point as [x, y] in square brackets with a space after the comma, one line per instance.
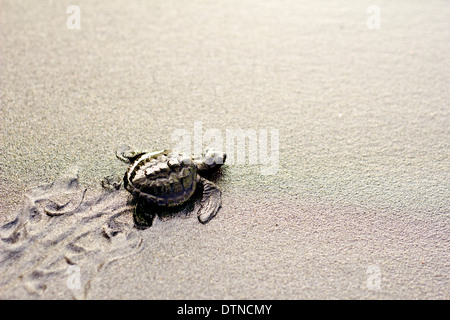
[359, 206]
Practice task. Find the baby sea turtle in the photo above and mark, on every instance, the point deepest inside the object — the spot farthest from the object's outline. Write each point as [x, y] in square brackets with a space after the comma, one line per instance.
[163, 179]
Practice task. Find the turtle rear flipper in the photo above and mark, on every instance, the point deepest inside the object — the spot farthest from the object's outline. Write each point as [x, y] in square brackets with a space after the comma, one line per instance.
[144, 214]
[210, 203]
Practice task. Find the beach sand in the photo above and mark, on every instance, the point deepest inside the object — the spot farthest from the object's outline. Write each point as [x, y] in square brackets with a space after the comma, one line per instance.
[359, 205]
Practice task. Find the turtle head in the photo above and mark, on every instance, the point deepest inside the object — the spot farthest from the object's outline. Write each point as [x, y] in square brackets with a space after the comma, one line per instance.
[212, 160]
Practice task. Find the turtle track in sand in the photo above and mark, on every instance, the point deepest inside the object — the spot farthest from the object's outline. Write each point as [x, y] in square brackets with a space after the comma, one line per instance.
[63, 236]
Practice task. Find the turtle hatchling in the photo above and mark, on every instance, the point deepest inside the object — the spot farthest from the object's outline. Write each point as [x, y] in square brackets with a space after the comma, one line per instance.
[166, 180]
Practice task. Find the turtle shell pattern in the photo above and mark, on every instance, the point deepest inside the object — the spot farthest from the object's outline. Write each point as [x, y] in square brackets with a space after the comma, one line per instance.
[162, 178]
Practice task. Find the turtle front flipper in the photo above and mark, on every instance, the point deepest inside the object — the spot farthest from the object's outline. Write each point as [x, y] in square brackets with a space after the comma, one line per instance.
[211, 201]
[128, 154]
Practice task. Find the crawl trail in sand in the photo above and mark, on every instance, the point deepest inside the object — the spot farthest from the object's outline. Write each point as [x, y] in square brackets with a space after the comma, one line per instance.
[63, 236]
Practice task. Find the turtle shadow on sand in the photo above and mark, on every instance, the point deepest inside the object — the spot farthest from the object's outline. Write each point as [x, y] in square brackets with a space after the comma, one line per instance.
[145, 213]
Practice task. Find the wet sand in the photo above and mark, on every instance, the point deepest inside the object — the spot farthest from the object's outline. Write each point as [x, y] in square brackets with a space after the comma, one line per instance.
[359, 207]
